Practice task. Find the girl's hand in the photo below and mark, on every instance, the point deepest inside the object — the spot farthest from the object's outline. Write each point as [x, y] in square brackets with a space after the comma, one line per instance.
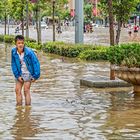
[20, 79]
[33, 80]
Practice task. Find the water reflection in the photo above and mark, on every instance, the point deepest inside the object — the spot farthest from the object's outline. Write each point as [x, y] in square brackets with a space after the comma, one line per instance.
[61, 109]
[25, 125]
[123, 121]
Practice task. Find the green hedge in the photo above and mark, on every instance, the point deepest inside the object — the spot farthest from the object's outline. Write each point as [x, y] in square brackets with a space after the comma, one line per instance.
[1, 38]
[98, 54]
[33, 45]
[63, 49]
[85, 52]
[11, 38]
[125, 55]
[74, 50]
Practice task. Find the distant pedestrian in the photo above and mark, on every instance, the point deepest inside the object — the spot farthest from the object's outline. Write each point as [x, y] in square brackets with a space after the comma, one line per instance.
[130, 30]
[136, 29]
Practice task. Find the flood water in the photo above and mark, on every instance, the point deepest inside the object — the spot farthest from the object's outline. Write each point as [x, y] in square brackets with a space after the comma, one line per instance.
[64, 110]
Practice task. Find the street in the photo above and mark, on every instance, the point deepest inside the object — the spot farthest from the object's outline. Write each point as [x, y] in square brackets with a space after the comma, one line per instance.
[100, 36]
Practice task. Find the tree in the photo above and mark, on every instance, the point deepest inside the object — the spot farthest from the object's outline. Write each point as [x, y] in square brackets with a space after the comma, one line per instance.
[4, 11]
[102, 5]
[111, 29]
[37, 8]
[88, 12]
[121, 10]
[111, 21]
[18, 8]
[46, 10]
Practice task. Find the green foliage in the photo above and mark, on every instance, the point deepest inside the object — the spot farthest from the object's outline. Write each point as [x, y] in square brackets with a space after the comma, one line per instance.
[33, 45]
[88, 12]
[65, 14]
[18, 9]
[125, 55]
[98, 54]
[63, 49]
[86, 52]
[46, 8]
[30, 40]
[122, 9]
[4, 8]
[1, 38]
[11, 38]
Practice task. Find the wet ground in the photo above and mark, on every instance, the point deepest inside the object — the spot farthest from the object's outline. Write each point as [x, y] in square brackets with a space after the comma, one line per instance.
[100, 36]
[61, 109]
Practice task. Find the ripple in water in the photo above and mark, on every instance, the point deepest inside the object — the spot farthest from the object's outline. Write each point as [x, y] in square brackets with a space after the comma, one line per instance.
[61, 109]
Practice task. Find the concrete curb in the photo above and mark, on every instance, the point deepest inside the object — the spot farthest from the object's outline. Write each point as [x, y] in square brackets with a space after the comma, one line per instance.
[103, 82]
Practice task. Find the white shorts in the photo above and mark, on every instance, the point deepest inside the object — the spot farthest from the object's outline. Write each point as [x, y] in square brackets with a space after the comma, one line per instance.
[26, 77]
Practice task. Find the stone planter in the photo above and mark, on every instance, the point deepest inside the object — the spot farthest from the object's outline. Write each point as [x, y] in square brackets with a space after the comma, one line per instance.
[130, 75]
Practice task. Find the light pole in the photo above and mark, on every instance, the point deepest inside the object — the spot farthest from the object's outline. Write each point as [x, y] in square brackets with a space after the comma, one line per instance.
[79, 21]
[27, 19]
[53, 17]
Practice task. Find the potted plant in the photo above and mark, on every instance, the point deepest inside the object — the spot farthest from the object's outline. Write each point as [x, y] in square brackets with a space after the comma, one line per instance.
[126, 61]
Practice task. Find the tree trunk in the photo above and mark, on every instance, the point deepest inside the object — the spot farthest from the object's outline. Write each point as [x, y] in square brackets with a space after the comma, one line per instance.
[118, 32]
[36, 20]
[5, 23]
[39, 26]
[22, 26]
[22, 18]
[106, 21]
[53, 17]
[135, 20]
[111, 30]
[27, 19]
[111, 22]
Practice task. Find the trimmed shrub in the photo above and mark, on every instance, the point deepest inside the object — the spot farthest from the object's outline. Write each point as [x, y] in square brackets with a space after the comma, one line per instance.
[125, 55]
[30, 40]
[98, 54]
[11, 39]
[1, 38]
[33, 45]
[86, 52]
[68, 50]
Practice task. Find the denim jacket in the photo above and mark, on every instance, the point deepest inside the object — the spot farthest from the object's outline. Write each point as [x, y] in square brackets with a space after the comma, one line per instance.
[31, 61]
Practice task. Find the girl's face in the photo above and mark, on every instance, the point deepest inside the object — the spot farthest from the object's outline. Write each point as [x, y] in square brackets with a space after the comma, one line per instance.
[20, 45]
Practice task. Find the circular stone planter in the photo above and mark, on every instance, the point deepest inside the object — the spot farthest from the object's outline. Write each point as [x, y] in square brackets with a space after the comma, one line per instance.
[130, 75]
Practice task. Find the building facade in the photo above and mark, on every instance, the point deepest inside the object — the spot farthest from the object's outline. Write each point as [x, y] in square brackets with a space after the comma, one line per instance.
[71, 6]
[95, 10]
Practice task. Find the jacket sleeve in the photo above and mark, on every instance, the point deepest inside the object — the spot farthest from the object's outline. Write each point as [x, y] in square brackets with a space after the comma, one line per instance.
[36, 65]
[14, 66]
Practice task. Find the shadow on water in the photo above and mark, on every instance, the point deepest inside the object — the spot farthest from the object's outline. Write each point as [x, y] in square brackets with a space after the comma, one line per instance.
[61, 109]
[25, 125]
[123, 117]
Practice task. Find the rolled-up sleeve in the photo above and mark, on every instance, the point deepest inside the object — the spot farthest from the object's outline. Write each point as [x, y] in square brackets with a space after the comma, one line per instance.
[36, 65]
[14, 66]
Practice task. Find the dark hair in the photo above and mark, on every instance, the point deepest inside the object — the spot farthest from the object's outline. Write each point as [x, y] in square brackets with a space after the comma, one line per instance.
[19, 37]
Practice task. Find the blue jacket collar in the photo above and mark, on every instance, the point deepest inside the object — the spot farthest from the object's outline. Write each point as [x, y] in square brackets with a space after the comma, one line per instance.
[26, 52]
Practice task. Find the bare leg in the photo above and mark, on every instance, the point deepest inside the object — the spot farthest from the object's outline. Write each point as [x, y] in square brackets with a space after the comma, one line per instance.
[18, 90]
[27, 95]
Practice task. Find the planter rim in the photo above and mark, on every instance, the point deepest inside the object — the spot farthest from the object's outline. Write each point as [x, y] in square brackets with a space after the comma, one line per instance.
[125, 68]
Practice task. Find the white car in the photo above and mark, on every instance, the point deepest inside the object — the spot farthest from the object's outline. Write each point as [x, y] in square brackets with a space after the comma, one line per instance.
[95, 25]
[43, 25]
